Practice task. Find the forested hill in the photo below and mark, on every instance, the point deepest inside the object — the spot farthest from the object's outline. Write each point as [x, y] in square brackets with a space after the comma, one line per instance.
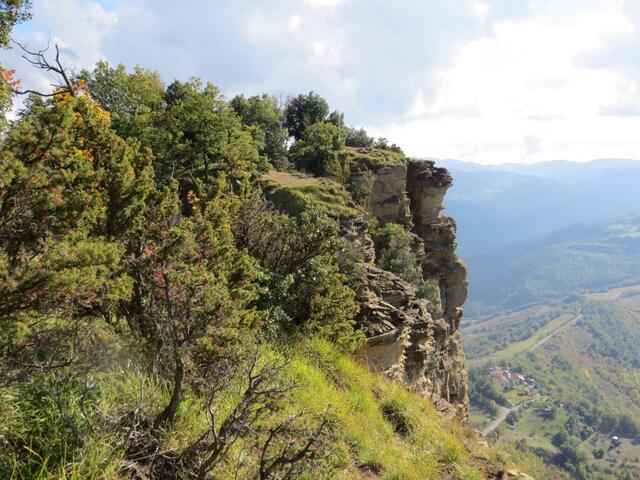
[579, 258]
[554, 228]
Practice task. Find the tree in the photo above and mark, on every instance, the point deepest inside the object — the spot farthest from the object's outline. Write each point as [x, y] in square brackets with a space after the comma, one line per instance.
[318, 151]
[193, 290]
[196, 137]
[204, 145]
[12, 12]
[304, 290]
[383, 144]
[337, 119]
[358, 138]
[628, 427]
[7, 85]
[262, 115]
[134, 100]
[303, 111]
[395, 251]
[72, 194]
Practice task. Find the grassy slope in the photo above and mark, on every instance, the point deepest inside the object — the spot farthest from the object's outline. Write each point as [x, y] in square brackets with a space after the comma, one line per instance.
[363, 443]
[518, 348]
[293, 191]
[372, 158]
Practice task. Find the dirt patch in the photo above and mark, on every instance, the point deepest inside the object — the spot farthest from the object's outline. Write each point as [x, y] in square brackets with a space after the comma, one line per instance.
[290, 179]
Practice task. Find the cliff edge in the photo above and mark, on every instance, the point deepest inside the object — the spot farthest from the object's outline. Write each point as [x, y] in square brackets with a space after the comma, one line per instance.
[410, 339]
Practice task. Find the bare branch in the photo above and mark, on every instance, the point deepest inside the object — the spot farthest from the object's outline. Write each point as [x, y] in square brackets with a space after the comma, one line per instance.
[39, 60]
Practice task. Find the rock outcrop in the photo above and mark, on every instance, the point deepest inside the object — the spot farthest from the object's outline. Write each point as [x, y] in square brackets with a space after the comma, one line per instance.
[407, 339]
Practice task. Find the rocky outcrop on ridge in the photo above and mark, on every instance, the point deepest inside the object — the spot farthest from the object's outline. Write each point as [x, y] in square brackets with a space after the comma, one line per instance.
[405, 341]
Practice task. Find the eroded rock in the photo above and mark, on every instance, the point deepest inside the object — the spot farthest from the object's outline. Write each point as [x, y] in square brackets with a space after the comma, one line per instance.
[404, 340]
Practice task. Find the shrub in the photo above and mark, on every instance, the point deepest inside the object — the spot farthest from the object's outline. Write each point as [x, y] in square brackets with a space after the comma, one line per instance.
[395, 251]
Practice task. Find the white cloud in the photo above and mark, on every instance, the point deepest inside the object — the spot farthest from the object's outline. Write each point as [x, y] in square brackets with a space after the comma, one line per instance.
[294, 22]
[526, 77]
[481, 9]
[484, 80]
[78, 28]
[323, 3]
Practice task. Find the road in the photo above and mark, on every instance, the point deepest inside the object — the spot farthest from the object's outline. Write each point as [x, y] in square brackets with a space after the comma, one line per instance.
[548, 337]
[502, 416]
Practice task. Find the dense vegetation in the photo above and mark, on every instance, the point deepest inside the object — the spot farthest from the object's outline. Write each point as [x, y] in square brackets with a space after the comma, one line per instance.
[175, 302]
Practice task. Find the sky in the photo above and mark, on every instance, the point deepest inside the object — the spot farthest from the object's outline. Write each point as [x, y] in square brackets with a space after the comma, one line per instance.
[489, 81]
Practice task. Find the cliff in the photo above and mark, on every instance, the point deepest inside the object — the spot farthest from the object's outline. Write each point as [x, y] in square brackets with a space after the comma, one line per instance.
[409, 340]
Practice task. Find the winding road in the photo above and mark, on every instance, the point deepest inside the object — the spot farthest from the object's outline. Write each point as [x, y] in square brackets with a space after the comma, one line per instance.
[502, 416]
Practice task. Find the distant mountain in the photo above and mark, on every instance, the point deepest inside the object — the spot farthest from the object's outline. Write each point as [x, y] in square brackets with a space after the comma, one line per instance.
[582, 257]
[559, 170]
[499, 205]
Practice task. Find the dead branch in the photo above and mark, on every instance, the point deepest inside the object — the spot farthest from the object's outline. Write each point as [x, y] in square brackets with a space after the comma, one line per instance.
[283, 463]
[38, 59]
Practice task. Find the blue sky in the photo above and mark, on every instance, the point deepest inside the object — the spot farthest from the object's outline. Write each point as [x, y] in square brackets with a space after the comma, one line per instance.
[487, 81]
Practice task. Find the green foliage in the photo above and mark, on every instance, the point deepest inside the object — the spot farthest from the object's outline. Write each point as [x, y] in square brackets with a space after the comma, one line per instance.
[358, 138]
[12, 12]
[59, 426]
[395, 251]
[196, 137]
[303, 111]
[140, 265]
[205, 142]
[293, 193]
[304, 289]
[261, 114]
[484, 392]
[6, 96]
[383, 144]
[69, 187]
[372, 158]
[134, 100]
[319, 152]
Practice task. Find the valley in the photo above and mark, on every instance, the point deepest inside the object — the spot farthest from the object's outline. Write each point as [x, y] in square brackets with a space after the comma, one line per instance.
[584, 358]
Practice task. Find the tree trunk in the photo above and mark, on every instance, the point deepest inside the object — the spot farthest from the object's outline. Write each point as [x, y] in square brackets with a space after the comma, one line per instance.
[169, 413]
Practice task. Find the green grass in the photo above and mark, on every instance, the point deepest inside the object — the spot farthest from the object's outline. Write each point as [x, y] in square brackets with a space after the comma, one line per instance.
[379, 429]
[430, 447]
[372, 158]
[292, 192]
[514, 395]
[523, 346]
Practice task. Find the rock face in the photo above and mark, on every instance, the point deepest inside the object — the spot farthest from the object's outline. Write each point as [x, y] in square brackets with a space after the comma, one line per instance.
[404, 340]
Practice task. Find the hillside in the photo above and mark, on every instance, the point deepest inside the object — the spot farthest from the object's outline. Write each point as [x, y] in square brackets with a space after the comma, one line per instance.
[583, 357]
[375, 427]
[576, 259]
[526, 201]
[198, 287]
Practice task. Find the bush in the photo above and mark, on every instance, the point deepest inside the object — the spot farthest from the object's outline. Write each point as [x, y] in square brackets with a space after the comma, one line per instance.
[303, 285]
[318, 150]
[395, 252]
[358, 138]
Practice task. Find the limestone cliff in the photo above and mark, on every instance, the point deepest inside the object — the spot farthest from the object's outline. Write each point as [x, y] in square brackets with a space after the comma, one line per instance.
[404, 340]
